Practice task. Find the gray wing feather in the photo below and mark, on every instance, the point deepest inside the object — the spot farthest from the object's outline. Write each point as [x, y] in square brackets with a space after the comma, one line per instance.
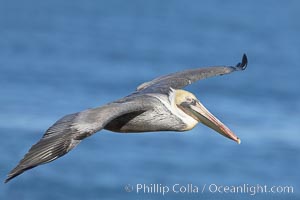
[181, 79]
[68, 132]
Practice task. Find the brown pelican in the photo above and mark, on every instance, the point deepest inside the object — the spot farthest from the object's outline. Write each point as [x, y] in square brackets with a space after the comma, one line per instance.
[158, 105]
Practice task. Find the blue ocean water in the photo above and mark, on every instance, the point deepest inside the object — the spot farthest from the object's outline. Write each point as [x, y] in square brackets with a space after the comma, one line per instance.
[60, 57]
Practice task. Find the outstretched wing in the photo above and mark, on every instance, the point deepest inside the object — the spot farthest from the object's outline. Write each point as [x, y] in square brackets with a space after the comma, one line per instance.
[68, 132]
[181, 79]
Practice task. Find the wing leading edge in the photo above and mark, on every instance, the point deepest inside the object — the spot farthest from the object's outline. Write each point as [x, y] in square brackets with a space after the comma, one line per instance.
[181, 79]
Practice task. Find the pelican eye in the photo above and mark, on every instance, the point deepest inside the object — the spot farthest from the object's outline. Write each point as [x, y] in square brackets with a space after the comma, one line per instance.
[194, 102]
[191, 101]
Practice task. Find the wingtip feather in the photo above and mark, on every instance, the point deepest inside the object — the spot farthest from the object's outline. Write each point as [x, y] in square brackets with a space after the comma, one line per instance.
[242, 65]
[244, 62]
[15, 172]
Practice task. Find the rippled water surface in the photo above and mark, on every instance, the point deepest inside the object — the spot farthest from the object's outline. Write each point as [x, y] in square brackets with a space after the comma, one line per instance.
[60, 57]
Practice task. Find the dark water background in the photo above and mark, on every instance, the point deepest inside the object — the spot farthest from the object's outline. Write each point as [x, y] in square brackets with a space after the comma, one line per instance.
[60, 57]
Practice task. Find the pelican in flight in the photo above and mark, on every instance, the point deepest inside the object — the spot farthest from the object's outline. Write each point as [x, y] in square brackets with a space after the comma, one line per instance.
[157, 105]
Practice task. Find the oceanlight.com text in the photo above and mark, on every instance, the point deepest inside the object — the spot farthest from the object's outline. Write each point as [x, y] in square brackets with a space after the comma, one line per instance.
[250, 189]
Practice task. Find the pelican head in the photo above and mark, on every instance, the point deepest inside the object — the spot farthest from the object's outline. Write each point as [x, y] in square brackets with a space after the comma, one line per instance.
[194, 111]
